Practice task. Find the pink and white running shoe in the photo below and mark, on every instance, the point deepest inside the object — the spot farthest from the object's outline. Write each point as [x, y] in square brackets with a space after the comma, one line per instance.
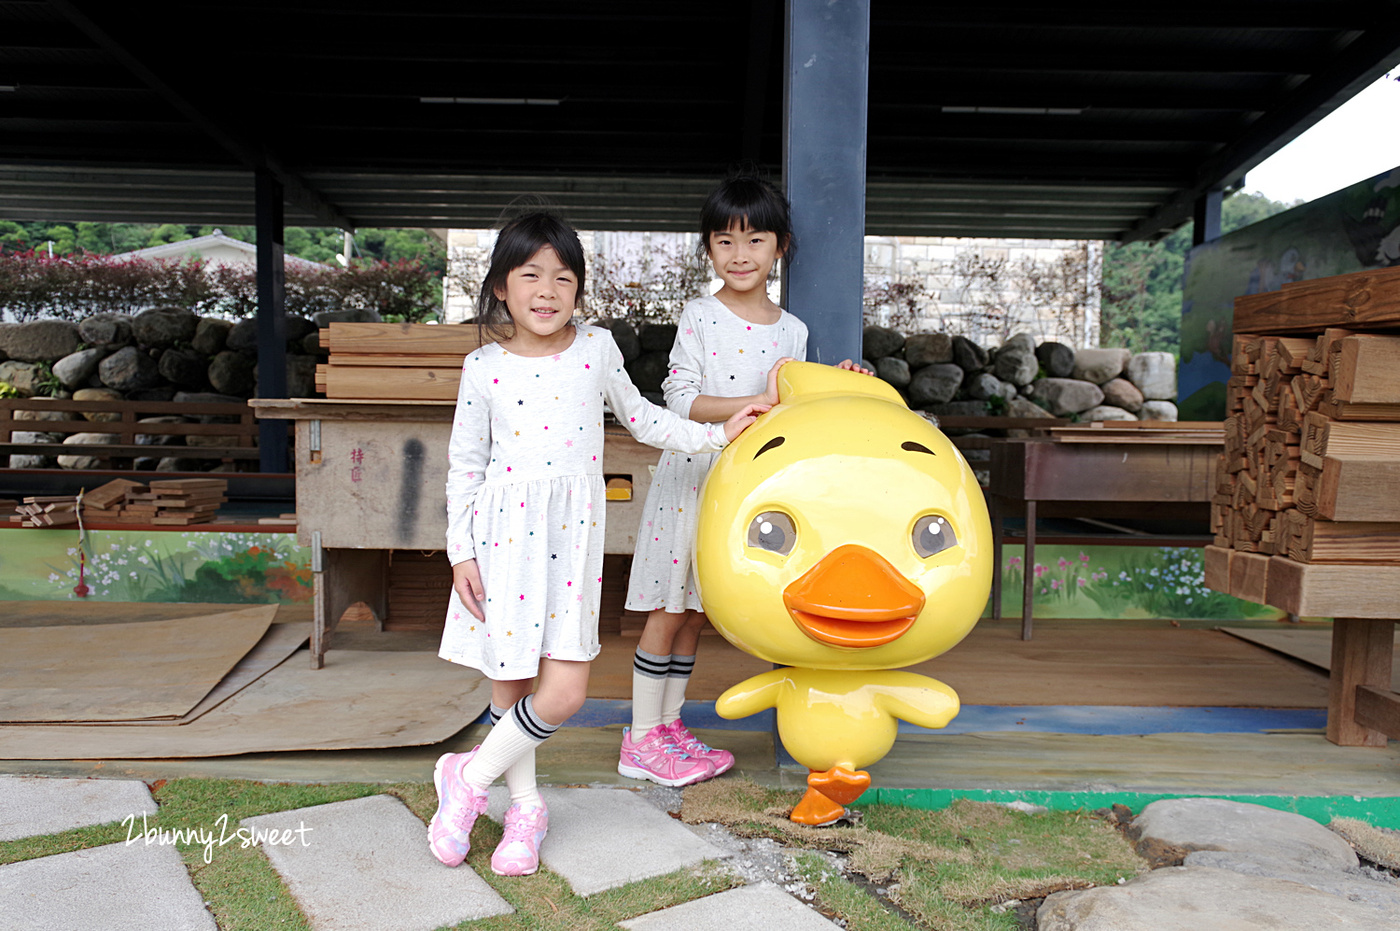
[518, 853]
[657, 757]
[722, 760]
[449, 832]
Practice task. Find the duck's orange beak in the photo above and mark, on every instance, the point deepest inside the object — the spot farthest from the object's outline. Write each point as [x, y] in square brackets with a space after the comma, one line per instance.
[853, 597]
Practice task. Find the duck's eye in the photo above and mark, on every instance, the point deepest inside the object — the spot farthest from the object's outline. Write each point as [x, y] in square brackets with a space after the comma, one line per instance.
[933, 534]
[774, 532]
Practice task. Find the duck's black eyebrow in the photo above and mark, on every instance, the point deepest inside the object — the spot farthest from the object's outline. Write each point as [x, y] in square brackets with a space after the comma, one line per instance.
[774, 443]
[917, 448]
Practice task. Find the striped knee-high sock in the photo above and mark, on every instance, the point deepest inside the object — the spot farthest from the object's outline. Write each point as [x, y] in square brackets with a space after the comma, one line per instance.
[649, 672]
[520, 775]
[518, 733]
[673, 696]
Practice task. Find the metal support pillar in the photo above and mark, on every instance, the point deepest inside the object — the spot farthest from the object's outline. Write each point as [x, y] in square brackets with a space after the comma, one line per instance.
[1207, 218]
[272, 318]
[824, 101]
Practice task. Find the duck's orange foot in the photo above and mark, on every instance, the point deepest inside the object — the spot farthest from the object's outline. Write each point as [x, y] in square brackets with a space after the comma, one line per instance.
[827, 795]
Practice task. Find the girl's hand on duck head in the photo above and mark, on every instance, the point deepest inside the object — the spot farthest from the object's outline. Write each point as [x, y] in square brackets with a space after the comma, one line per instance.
[738, 423]
[850, 366]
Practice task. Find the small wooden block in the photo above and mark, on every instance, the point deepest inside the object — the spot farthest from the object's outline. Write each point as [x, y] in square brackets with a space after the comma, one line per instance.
[1218, 561]
[1249, 575]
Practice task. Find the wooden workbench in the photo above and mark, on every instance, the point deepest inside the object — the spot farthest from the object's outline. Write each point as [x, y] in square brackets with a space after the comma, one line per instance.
[370, 479]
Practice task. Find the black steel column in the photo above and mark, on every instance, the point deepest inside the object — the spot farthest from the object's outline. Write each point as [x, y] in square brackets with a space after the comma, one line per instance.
[272, 319]
[824, 96]
[1206, 215]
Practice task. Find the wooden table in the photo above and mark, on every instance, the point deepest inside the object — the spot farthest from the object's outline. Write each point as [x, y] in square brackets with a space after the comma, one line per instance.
[370, 479]
[1045, 477]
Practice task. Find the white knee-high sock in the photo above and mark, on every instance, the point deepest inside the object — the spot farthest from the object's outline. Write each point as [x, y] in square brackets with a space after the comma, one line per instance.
[518, 733]
[673, 696]
[649, 672]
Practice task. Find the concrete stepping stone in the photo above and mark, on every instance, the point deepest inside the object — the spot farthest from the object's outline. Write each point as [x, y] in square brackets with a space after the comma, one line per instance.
[604, 838]
[116, 887]
[1179, 898]
[364, 865]
[760, 907]
[34, 805]
[1168, 829]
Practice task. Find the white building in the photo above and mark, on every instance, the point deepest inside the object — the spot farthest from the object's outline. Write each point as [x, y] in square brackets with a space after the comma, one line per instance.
[216, 248]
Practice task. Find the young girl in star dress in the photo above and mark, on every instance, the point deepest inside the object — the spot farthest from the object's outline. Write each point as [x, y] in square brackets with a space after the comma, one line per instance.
[729, 347]
[525, 504]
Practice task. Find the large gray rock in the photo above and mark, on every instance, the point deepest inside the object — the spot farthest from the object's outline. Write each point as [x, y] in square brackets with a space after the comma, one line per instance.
[161, 439]
[1200, 898]
[354, 315]
[184, 368]
[649, 370]
[34, 436]
[206, 397]
[301, 376]
[40, 340]
[101, 394]
[160, 327]
[1158, 410]
[106, 329]
[79, 461]
[923, 349]
[1022, 407]
[128, 369]
[1099, 365]
[76, 369]
[1168, 829]
[985, 386]
[1056, 358]
[1122, 393]
[628, 343]
[895, 371]
[311, 344]
[1154, 373]
[158, 393]
[1016, 362]
[211, 335]
[877, 342]
[24, 377]
[243, 337]
[970, 356]
[934, 384]
[1105, 412]
[297, 328]
[657, 337]
[1368, 887]
[42, 415]
[1065, 396]
[231, 373]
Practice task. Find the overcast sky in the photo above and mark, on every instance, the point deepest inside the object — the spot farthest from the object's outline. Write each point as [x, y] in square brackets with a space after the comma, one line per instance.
[1359, 139]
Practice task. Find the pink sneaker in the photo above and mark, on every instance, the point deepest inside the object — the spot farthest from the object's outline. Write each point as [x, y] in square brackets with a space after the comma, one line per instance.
[449, 833]
[656, 757]
[722, 760]
[518, 853]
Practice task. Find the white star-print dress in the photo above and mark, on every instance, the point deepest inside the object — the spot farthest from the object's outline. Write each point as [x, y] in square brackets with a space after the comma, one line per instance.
[525, 497]
[717, 353]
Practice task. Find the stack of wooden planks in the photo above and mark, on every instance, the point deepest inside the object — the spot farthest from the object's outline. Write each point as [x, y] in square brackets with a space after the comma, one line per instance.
[395, 361]
[46, 511]
[1310, 471]
[174, 502]
[1184, 433]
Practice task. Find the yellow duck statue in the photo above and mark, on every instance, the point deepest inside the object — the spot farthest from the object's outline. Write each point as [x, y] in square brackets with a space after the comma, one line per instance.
[843, 537]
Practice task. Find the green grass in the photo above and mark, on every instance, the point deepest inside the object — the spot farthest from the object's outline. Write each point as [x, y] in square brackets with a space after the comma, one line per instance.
[939, 870]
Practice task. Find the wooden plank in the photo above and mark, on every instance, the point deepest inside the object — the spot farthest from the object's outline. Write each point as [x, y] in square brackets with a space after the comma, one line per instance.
[1352, 487]
[1347, 410]
[1327, 541]
[1217, 560]
[375, 383]
[1313, 590]
[1367, 370]
[1361, 656]
[104, 496]
[1368, 299]
[393, 359]
[1324, 437]
[1378, 709]
[1249, 575]
[403, 339]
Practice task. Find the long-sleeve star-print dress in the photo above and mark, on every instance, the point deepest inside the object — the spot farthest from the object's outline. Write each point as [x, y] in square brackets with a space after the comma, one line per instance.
[525, 497]
[716, 353]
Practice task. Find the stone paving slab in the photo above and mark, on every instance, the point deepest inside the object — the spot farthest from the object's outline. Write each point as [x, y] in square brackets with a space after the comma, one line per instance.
[35, 805]
[365, 866]
[760, 907]
[117, 887]
[604, 838]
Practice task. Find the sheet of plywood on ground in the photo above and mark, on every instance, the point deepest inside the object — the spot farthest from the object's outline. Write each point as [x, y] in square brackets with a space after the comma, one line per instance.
[1070, 662]
[1312, 645]
[1312, 590]
[145, 669]
[359, 700]
[1366, 300]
